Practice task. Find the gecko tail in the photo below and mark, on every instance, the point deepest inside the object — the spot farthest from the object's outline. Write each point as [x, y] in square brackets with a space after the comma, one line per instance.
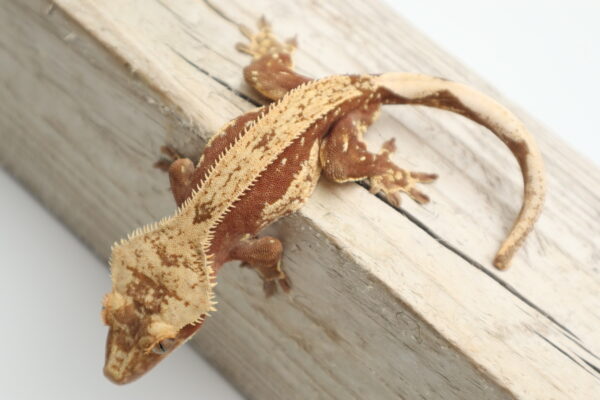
[405, 88]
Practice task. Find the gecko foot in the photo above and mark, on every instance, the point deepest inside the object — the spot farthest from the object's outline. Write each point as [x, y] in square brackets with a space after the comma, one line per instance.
[400, 180]
[263, 255]
[272, 276]
[180, 170]
[171, 155]
[264, 42]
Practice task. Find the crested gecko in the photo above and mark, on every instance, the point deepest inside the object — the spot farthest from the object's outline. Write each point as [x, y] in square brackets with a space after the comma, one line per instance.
[264, 165]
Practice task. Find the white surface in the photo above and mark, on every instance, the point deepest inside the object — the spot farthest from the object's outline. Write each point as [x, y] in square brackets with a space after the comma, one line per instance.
[542, 54]
[539, 53]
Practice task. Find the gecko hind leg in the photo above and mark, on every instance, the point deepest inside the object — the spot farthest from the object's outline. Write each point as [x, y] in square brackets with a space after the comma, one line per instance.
[264, 255]
[271, 71]
[344, 157]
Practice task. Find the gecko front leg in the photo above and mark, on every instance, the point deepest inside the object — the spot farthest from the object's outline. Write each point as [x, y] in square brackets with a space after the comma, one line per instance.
[264, 255]
[344, 157]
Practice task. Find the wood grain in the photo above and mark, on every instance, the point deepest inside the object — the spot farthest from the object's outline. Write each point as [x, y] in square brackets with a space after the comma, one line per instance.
[387, 303]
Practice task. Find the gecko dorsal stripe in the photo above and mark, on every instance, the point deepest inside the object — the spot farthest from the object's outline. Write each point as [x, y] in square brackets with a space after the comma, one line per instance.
[260, 145]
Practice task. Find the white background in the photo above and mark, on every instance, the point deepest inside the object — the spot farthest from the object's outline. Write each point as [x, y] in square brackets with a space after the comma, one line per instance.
[542, 54]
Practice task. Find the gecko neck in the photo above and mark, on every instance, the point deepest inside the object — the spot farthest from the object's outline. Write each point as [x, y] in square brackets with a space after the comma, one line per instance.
[174, 275]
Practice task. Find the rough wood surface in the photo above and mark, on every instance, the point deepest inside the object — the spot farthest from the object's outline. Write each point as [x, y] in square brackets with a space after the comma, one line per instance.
[387, 303]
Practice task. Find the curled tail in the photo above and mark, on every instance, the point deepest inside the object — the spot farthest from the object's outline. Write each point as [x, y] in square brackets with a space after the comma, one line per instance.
[404, 88]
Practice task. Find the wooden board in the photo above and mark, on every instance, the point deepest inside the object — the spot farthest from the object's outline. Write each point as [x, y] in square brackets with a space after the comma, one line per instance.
[386, 303]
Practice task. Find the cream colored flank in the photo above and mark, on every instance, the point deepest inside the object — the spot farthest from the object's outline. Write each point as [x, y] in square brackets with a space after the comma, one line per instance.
[298, 192]
[260, 145]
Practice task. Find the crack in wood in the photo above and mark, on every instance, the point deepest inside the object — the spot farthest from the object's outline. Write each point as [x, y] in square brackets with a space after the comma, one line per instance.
[592, 366]
[219, 12]
[218, 80]
[474, 263]
[566, 354]
[588, 351]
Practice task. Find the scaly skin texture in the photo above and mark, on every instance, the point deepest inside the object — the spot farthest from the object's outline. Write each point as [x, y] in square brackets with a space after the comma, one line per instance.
[262, 166]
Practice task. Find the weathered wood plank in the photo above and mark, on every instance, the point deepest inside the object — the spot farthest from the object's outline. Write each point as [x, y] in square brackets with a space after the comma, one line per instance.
[385, 304]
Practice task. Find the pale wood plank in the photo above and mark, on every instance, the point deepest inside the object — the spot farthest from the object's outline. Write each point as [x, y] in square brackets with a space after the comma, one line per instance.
[380, 308]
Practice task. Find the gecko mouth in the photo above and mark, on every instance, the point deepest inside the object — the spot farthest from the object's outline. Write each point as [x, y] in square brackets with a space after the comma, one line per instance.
[126, 362]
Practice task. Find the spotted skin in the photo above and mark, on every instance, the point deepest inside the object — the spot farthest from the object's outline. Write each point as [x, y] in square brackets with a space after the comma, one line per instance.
[262, 166]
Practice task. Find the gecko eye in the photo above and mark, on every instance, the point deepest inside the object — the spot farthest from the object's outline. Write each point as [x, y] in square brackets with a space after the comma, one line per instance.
[163, 346]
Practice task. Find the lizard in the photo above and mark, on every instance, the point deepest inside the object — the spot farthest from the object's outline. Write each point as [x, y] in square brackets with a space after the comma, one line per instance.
[264, 165]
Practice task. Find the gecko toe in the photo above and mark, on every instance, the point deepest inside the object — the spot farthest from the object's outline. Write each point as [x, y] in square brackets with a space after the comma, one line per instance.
[270, 288]
[285, 284]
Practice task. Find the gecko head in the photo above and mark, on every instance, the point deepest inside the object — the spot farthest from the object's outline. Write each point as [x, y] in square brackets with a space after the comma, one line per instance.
[152, 308]
[136, 342]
